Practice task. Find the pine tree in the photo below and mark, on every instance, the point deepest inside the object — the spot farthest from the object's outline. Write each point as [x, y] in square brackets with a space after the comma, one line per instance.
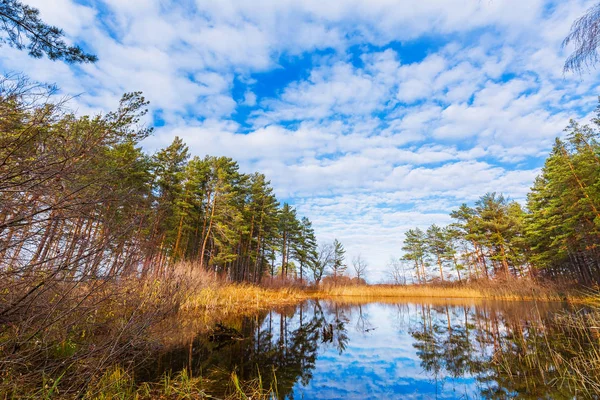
[338, 268]
[264, 224]
[437, 246]
[452, 237]
[562, 228]
[24, 30]
[289, 229]
[168, 168]
[468, 224]
[492, 210]
[304, 248]
[415, 251]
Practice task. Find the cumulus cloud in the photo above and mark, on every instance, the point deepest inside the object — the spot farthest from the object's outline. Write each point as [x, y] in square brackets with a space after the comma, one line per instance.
[371, 117]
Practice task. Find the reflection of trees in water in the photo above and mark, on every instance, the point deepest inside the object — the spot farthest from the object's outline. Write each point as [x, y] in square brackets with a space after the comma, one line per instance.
[335, 331]
[401, 319]
[427, 344]
[284, 343]
[507, 350]
[503, 348]
[363, 324]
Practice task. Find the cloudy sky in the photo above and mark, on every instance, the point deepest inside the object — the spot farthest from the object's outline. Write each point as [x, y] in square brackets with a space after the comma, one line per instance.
[370, 116]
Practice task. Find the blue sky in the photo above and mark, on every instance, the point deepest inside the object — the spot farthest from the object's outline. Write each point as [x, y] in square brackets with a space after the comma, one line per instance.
[370, 116]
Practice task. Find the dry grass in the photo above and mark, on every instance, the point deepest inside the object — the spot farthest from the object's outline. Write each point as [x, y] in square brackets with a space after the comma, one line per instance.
[581, 336]
[240, 299]
[205, 292]
[215, 296]
[501, 290]
[395, 291]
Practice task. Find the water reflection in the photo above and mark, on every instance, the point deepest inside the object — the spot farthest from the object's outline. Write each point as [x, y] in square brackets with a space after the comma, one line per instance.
[332, 350]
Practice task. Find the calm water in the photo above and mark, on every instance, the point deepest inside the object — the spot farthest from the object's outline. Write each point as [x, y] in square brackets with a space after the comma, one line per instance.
[329, 350]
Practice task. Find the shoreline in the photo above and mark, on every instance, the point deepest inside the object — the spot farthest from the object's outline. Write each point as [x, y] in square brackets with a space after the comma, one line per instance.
[201, 304]
[242, 298]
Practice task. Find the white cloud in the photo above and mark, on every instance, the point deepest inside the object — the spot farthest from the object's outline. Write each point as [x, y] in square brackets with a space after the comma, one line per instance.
[249, 99]
[382, 139]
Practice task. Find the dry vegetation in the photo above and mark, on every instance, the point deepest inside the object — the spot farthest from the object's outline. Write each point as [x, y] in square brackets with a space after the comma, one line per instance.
[76, 343]
[226, 299]
[111, 326]
[501, 290]
[116, 383]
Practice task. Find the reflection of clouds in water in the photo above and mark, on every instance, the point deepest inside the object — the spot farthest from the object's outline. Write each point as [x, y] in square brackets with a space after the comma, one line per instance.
[382, 363]
[420, 351]
[365, 387]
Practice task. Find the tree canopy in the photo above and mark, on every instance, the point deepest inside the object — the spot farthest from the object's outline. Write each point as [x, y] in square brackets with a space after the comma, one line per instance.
[79, 197]
[555, 235]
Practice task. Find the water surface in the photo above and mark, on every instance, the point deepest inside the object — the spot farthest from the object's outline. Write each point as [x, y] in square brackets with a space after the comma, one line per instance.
[418, 350]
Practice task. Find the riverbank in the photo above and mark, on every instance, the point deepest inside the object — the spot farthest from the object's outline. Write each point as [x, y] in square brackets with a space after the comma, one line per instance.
[213, 301]
[244, 298]
[117, 324]
[498, 290]
[226, 302]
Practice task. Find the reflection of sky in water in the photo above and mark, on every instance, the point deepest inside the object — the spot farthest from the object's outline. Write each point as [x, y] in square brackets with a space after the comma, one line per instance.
[381, 363]
[328, 350]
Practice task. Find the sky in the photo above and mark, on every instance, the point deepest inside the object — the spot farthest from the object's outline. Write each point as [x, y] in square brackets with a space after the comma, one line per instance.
[369, 116]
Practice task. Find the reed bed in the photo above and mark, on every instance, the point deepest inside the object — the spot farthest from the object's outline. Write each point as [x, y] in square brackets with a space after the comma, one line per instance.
[205, 292]
[240, 299]
[506, 290]
[580, 353]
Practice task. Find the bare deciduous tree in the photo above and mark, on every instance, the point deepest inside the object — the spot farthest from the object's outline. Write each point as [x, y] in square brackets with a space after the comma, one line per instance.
[396, 271]
[585, 35]
[359, 264]
[323, 260]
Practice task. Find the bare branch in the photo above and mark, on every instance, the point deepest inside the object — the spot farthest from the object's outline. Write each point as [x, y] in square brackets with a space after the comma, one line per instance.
[585, 35]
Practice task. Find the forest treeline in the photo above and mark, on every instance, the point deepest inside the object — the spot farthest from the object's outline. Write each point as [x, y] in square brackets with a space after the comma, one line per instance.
[556, 235]
[79, 199]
